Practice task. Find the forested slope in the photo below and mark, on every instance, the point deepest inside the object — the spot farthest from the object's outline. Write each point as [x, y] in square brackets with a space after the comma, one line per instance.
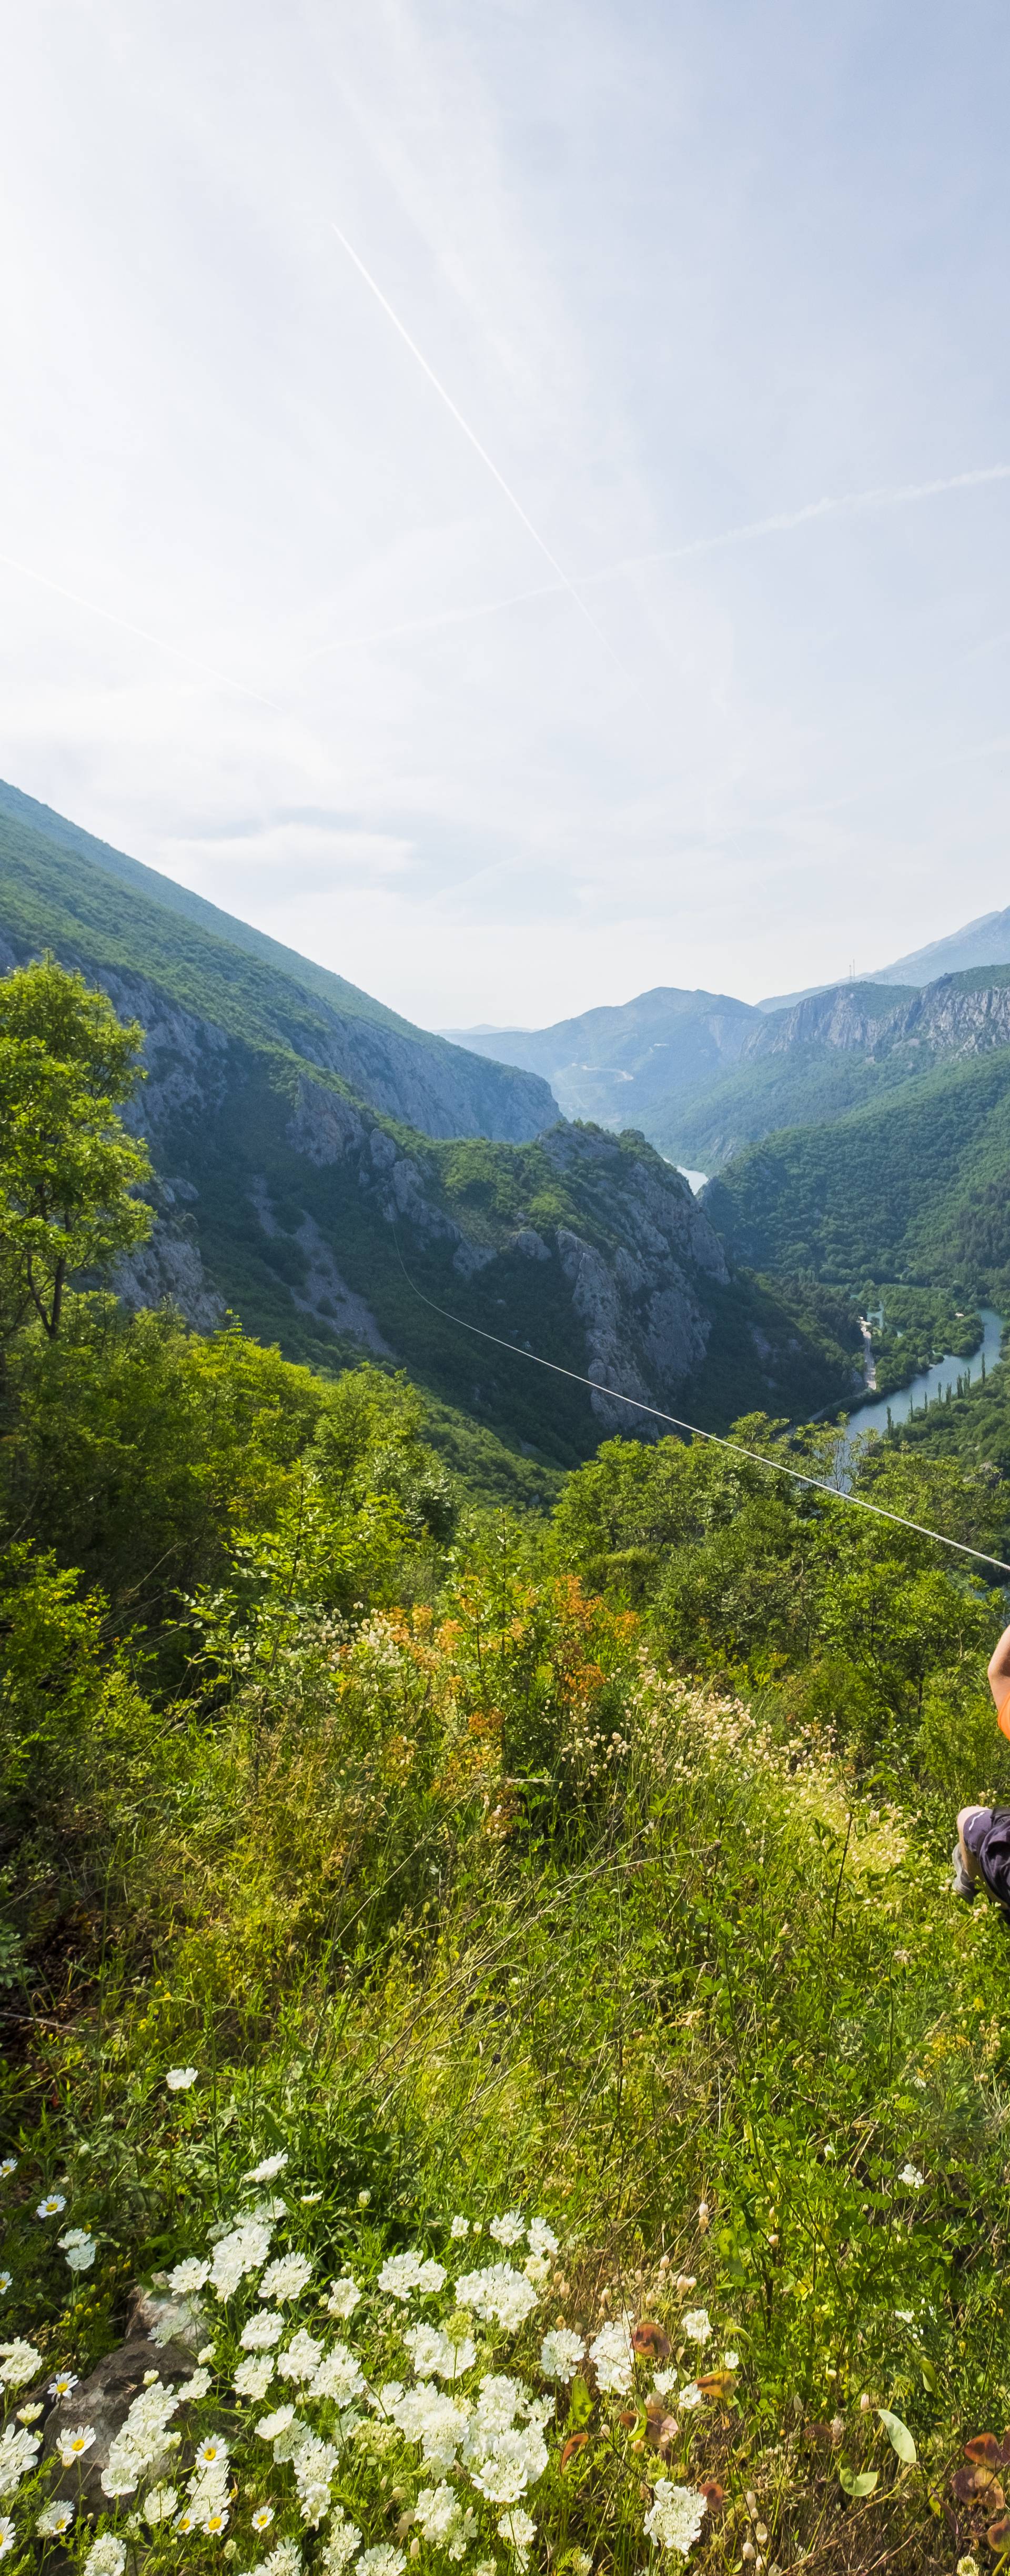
[914, 1188]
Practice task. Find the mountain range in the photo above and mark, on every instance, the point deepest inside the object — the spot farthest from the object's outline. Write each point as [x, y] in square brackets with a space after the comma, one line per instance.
[350, 1185]
[704, 1076]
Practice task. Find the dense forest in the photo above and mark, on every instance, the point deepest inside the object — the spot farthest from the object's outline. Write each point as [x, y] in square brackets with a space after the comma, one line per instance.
[495, 2071]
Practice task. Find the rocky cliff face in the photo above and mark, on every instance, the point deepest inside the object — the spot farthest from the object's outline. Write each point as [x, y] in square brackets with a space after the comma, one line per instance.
[940, 1019]
[634, 1280]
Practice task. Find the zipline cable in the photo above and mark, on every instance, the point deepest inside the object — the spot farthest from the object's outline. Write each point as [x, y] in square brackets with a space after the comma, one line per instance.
[774, 1466]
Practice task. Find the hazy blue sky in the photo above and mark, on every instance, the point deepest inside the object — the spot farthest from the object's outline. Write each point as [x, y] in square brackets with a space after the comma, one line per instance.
[271, 622]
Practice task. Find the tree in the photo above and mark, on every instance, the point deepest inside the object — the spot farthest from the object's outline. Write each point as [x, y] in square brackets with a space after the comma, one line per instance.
[68, 1169]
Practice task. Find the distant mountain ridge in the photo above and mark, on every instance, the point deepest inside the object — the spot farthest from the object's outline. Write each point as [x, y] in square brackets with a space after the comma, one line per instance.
[618, 1063]
[985, 942]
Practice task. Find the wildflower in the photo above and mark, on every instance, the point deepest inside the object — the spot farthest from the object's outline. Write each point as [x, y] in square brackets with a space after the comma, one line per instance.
[189, 2276]
[80, 2248]
[613, 2360]
[73, 2442]
[510, 2462]
[179, 2078]
[8, 2534]
[215, 2521]
[540, 2238]
[309, 2198]
[338, 2375]
[5, 2281]
[206, 2353]
[486, 2567]
[424, 2415]
[519, 2530]
[967, 2567]
[364, 2199]
[212, 2453]
[703, 2215]
[383, 2560]
[403, 2273]
[286, 2278]
[262, 2330]
[697, 2324]
[560, 2353]
[253, 2377]
[243, 2250]
[910, 2174]
[344, 2540]
[106, 2556]
[52, 2205]
[460, 2227]
[537, 2269]
[344, 2297]
[300, 2357]
[443, 2521]
[675, 2516]
[271, 2425]
[19, 2362]
[187, 2521]
[197, 2384]
[497, 2292]
[690, 2396]
[9, 2165]
[731, 2361]
[262, 2518]
[61, 2386]
[284, 2560]
[265, 2172]
[160, 2504]
[663, 2381]
[54, 2520]
[509, 2229]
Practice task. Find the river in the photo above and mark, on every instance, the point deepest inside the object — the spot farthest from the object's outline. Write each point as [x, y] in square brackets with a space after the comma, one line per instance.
[931, 1382]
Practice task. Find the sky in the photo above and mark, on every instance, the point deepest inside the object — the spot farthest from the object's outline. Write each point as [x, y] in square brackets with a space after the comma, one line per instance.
[513, 496]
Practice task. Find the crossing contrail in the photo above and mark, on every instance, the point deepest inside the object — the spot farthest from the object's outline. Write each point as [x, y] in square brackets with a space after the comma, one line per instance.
[883, 496]
[471, 434]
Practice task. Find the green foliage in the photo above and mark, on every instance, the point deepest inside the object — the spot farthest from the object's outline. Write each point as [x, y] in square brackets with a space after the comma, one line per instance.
[912, 1328]
[846, 1621]
[68, 1171]
[597, 1868]
[911, 1191]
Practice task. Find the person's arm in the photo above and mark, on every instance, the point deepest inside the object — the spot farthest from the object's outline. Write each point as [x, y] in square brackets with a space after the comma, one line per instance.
[999, 1670]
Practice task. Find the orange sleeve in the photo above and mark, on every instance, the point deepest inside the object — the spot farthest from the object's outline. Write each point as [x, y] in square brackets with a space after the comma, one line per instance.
[1003, 1715]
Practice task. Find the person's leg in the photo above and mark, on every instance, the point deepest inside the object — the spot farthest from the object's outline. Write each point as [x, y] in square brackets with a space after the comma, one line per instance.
[967, 1868]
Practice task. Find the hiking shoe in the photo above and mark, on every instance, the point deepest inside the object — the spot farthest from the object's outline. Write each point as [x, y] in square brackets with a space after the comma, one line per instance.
[963, 1885]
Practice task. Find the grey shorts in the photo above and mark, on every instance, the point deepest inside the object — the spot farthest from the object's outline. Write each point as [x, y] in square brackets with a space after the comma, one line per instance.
[986, 1834]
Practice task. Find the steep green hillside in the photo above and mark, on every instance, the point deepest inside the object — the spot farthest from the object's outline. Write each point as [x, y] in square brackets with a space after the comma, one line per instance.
[914, 1188]
[307, 1214]
[107, 914]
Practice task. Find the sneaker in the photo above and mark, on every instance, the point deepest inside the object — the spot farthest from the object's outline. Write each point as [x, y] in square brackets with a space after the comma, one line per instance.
[963, 1885]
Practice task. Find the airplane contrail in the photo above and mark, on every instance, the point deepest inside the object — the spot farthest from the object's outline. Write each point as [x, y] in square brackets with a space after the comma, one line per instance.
[471, 434]
[111, 618]
[878, 496]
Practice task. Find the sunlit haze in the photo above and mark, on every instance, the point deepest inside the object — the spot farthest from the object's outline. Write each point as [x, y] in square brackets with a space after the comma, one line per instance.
[514, 499]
